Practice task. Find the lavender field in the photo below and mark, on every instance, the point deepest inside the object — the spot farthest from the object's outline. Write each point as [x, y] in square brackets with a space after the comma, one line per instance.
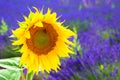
[96, 48]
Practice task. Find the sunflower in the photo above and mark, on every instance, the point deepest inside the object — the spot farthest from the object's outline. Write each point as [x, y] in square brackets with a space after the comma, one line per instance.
[44, 40]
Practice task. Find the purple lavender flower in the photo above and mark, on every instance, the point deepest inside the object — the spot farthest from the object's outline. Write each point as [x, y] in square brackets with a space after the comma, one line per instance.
[1, 41]
[96, 52]
[69, 9]
[100, 40]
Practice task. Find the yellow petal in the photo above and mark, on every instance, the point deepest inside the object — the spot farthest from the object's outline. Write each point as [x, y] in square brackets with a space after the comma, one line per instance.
[31, 15]
[22, 25]
[25, 18]
[18, 32]
[53, 17]
[19, 41]
[54, 60]
[45, 63]
[63, 52]
[49, 11]
[27, 34]
[65, 32]
[48, 14]
[24, 48]
[39, 24]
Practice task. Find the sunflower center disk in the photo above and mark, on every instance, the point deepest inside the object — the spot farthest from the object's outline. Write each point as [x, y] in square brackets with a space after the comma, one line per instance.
[41, 39]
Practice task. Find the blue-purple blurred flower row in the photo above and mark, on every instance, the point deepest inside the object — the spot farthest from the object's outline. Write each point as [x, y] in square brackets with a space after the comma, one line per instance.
[98, 55]
[100, 59]
[13, 10]
[100, 45]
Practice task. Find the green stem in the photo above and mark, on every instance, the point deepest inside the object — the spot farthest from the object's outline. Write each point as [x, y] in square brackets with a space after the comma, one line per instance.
[30, 76]
[22, 74]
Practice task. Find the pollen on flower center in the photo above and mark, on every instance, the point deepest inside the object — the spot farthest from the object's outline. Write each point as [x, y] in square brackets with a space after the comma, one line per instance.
[43, 39]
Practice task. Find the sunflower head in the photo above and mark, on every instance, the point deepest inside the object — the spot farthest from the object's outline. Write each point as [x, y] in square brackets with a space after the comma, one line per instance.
[44, 40]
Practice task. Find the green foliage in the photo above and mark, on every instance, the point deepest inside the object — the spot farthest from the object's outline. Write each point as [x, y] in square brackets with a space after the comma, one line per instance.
[110, 69]
[11, 63]
[3, 27]
[10, 51]
[106, 34]
[7, 74]
[78, 24]
[77, 46]
[110, 33]
[10, 69]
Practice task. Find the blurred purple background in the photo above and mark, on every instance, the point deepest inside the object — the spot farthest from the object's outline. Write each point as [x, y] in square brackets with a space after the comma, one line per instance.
[98, 25]
[13, 10]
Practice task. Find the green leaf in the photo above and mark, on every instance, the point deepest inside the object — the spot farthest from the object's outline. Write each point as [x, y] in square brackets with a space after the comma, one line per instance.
[10, 63]
[6, 74]
[3, 27]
